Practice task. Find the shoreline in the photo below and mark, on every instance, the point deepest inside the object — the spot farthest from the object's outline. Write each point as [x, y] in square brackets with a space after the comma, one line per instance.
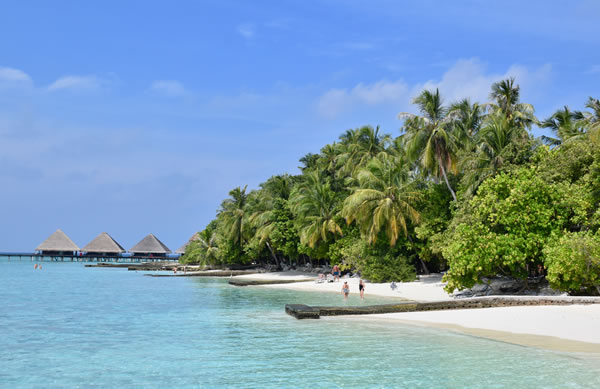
[530, 326]
[569, 328]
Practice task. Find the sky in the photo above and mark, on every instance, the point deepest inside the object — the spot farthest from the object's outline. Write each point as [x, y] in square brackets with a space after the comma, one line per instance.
[137, 117]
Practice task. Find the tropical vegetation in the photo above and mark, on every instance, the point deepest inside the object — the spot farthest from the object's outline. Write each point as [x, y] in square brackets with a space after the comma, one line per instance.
[464, 188]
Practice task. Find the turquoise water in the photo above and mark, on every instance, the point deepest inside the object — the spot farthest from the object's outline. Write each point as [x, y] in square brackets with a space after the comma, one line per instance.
[68, 326]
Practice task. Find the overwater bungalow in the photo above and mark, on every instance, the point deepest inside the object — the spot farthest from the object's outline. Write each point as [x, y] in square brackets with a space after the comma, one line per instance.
[194, 237]
[150, 246]
[103, 246]
[57, 244]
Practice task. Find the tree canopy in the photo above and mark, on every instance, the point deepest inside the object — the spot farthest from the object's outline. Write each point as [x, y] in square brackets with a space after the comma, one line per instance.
[464, 187]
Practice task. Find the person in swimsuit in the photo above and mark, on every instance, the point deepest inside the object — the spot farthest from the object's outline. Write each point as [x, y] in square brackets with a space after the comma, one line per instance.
[336, 273]
[361, 288]
[345, 289]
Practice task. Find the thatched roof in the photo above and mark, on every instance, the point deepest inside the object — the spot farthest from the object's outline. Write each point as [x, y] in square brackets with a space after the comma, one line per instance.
[150, 245]
[103, 243]
[194, 237]
[58, 241]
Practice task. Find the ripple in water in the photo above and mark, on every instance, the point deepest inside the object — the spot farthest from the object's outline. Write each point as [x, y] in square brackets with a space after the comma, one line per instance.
[70, 326]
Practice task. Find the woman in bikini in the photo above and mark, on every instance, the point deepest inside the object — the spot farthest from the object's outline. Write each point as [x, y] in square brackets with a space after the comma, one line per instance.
[345, 289]
[361, 288]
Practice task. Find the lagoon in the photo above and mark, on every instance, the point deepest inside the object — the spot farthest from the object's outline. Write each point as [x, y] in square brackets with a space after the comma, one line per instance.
[71, 326]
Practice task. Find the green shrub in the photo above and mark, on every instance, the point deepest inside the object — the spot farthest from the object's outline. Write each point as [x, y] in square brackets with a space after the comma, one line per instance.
[573, 263]
[504, 228]
[388, 268]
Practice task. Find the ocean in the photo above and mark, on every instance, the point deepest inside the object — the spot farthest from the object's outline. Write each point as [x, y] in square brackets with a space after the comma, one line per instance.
[68, 326]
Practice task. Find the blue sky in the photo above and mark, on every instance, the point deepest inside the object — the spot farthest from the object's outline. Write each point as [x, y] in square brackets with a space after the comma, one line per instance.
[133, 117]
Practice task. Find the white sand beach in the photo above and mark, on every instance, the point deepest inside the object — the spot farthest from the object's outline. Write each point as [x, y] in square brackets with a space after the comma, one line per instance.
[566, 328]
[427, 289]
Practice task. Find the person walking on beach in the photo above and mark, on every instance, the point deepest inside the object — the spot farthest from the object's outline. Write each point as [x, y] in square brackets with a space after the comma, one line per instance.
[336, 273]
[345, 289]
[361, 288]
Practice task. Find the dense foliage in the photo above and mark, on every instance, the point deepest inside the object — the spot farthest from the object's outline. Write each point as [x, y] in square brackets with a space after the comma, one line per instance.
[464, 188]
[505, 227]
[573, 262]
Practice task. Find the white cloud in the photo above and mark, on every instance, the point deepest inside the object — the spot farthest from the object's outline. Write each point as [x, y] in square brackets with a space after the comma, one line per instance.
[76, 83]
[335, 101]
[169, 88]
[466, 78]
[15, 79]
[13, 75]
[247, 30]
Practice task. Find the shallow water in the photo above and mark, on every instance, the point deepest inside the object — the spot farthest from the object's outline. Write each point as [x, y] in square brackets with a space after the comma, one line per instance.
[71, 326]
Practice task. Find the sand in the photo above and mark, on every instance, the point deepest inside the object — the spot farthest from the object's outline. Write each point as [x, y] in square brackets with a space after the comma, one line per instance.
[428, 289]
[566, 328]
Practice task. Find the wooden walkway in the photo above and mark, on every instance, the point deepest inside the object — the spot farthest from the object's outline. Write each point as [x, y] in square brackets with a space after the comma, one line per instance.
[84, 258]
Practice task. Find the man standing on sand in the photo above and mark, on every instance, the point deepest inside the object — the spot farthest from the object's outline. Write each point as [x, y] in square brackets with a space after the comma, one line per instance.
[336, 273]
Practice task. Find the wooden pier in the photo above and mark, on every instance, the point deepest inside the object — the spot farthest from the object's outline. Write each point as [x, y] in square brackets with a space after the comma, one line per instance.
[33, 257]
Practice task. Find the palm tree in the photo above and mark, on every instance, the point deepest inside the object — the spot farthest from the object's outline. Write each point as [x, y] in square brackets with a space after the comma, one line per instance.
[495, 136]
[309, 161]
[592, 119]
[566, 125]
[261, 204]
[382, 201]
[505, 96]
[505, 124]
[204, 249]
[279, 186]
[233, 214]
[466, 120]
[350, 136]
[207, 243]
[429, 137]
[313, 201]
[328, 158]
[264, 224]
[358, 147]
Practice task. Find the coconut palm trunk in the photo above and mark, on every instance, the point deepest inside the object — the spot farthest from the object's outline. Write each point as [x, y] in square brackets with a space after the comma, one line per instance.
[446, 178]
[274, 255]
